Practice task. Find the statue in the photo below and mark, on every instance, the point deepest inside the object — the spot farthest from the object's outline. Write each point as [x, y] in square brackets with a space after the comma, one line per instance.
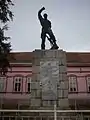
[46, 30]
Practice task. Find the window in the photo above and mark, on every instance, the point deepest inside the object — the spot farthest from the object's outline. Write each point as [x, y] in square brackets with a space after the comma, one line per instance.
[28, 85]
[88, 83]
[17, 84]
[2, 84]
[72, 83]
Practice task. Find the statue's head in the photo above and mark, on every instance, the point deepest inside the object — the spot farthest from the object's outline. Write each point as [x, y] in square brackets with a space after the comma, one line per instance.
[45, 16]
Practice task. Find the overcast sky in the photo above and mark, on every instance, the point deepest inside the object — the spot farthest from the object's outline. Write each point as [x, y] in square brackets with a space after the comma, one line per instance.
[70, 24]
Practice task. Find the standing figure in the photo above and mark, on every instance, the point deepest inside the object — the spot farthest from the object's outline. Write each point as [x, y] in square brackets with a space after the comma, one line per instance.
[46, 29]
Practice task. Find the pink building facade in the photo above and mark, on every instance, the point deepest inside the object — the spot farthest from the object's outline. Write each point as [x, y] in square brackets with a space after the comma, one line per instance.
[15, 87]
[78, 73]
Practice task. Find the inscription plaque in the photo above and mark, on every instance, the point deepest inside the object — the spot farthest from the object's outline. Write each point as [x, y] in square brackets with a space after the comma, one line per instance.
[49, 76]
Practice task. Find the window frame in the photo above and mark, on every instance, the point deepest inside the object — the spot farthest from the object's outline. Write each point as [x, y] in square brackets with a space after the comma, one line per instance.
[87, 83]
[26, 86]
[16, 76]
[76, 86]
[5, 84]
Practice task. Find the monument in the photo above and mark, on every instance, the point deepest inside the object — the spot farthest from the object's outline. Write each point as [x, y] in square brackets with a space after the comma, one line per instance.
[46, 30]
[49, 86]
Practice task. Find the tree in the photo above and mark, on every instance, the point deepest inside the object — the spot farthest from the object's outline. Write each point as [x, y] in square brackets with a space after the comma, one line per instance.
[5, 47]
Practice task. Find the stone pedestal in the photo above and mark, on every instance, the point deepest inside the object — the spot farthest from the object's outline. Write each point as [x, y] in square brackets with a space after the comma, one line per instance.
[49, 79]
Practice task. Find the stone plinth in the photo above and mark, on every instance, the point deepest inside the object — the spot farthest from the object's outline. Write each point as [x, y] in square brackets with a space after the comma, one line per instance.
[49, 81]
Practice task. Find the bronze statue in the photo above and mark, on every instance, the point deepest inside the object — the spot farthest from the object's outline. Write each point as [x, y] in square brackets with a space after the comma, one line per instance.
[46, 30]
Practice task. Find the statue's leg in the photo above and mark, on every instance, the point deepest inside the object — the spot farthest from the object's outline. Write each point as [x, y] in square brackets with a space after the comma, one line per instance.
[43, 36]
[50, 33]
[50, 40]
[53, 39]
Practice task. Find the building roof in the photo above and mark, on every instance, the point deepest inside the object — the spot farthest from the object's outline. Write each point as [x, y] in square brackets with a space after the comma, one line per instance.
[75, 58]
[21, 57]
[78, 58]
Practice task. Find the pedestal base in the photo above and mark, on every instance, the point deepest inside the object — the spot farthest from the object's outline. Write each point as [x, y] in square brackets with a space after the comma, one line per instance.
[50, 79]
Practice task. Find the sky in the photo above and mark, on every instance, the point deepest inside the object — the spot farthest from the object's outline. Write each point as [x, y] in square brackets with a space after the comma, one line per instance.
[70, 23]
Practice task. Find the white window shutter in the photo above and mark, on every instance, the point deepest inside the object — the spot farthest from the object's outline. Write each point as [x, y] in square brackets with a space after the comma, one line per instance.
[1, 84]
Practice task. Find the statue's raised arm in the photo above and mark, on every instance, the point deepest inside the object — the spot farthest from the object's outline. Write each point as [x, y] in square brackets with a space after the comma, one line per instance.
[39, 13]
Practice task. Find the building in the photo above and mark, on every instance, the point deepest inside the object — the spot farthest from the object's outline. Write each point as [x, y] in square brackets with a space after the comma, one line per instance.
[78, 72]
[15, 87]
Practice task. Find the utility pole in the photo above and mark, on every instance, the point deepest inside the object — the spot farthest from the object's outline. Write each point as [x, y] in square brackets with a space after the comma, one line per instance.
[55, 111]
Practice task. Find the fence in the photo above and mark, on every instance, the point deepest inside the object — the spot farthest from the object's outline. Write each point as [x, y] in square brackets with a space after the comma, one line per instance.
[44, 114]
